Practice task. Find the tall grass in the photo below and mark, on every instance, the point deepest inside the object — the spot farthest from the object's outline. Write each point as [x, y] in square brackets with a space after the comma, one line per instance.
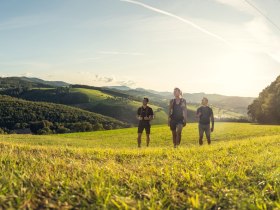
[105, 170]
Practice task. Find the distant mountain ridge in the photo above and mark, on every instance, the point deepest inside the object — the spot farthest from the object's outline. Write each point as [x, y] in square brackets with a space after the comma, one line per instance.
[27, 82]
[52, 83]
[234, 103]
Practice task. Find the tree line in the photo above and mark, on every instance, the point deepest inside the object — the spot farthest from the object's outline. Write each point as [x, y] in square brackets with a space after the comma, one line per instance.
[266, 108]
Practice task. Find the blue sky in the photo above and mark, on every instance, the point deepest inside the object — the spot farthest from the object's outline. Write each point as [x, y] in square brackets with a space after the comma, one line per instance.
[212, 46]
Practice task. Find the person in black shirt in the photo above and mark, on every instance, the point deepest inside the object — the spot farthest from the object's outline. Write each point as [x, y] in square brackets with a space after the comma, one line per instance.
[205, 115]
[144, 114]
[177, 116]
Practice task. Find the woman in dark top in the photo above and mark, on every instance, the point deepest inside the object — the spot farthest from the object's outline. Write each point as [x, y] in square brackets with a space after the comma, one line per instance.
[177, 116]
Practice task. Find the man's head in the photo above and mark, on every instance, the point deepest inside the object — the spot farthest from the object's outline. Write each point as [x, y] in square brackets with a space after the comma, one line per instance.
[177, 92]
[145, 101]
[204, 101]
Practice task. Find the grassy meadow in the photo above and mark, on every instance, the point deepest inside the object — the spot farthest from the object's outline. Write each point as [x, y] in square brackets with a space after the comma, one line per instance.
[105, 170]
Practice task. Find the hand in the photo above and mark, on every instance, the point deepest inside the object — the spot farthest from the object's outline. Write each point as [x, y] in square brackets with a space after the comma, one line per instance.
[146, 118]
[140, 118]
[212, 129]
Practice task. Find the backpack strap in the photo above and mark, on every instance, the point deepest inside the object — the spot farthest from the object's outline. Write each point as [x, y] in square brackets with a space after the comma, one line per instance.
[147, 109]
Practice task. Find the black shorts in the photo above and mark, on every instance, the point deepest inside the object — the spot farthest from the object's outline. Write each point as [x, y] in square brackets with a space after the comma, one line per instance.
[144, 125]
[174, 123]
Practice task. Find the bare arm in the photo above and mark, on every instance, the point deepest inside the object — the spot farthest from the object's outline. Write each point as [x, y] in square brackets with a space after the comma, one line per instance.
[185, 115]
[212, 121]
[170, 111]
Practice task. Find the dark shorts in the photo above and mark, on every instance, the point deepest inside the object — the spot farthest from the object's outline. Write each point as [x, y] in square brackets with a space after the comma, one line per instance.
[144, 125]
[204, 128]
[174, 123]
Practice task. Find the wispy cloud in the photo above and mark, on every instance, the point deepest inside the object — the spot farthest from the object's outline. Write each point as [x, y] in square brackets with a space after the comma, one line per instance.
[112, 80]
[239, 5]
[120, 53]
[89, 59]
[259, 28]
[23, 22]
[184, 20]
[99, 78]
[127, 83]
[36, 65]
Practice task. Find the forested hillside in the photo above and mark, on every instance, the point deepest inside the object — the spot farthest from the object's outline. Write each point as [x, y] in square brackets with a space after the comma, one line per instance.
[266, 108]
[120, 103]
[44, 118]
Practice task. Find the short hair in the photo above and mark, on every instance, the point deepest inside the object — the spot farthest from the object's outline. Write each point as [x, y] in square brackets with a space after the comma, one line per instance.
[204, 98]
[146, 99]
[178, 89]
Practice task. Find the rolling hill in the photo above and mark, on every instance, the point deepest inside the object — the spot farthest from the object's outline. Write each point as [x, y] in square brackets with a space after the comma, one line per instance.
[106, 102]
[44, 118]
[26, 82]
[121, 102]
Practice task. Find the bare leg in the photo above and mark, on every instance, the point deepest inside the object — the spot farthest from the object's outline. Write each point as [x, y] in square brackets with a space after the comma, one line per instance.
[200, 140]
[179, 134]
[201, 131]
[208, 132]
[139, 139]
[148, 139]
[208, 138]
[174, 137]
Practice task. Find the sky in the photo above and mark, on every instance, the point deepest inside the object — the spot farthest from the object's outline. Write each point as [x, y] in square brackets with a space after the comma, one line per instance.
[229, 47]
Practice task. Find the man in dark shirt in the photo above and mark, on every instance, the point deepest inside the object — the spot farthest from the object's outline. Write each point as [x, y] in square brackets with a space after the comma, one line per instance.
[144, 114]
[205, 115]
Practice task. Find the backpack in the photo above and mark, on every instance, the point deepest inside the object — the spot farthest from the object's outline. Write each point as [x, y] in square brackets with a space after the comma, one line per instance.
[173, 104]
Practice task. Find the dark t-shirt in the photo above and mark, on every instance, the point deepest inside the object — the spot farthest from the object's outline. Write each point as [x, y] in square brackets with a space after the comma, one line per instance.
[145, 112]
[177, 109]
[206, 113]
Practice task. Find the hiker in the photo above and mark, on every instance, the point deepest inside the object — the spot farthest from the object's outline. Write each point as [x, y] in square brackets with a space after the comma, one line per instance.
[144, 114]
[177, 116]
[205, 115]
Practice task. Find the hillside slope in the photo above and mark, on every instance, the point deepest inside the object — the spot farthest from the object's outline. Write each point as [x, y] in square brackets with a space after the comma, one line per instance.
[106, 102]
[17, 113]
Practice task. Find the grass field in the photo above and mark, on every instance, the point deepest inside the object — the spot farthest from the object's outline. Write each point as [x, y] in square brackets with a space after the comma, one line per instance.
[105, 170]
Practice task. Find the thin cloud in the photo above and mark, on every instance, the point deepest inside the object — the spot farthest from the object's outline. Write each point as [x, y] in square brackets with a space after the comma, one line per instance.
[266, 40]
[99, 78]
[111, 80]
[88, 60]
[127, 83]
[119, 53]
[238, 5]
[24, 22]
[194, 25]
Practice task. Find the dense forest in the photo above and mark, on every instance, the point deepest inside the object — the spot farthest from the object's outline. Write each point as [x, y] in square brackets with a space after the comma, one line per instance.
[266, 108]
[44, 118]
